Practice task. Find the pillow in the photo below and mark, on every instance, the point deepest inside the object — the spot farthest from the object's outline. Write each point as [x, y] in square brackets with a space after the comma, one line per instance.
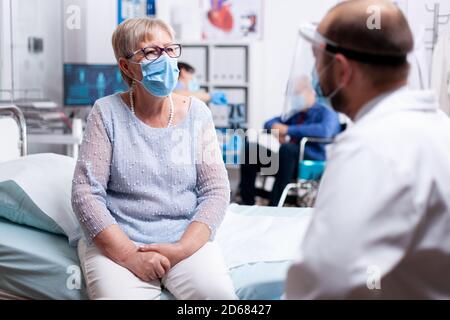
[36, 191]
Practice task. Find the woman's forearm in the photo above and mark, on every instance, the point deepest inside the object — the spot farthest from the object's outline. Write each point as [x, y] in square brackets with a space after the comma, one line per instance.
[115, 244]
[195, 237]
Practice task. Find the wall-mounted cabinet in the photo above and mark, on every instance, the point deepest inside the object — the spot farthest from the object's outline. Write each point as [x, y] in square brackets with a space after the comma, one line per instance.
[223, 68]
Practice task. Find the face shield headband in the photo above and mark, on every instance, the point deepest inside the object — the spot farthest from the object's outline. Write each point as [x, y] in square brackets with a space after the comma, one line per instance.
[310, 34]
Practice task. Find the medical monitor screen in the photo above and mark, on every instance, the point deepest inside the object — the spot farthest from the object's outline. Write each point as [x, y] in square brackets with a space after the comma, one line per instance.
[84, 83]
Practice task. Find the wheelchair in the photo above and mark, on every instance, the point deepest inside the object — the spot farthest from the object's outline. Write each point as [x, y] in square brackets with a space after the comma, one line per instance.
[309, 174]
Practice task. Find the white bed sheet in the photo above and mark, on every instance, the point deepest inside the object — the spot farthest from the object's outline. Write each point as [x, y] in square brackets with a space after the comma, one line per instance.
[254, 234]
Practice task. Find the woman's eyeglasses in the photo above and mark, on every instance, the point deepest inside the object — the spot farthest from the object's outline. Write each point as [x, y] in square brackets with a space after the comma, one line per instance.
[154, 52]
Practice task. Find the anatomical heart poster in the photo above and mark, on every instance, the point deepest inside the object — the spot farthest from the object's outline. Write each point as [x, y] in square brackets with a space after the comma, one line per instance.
[232, 19]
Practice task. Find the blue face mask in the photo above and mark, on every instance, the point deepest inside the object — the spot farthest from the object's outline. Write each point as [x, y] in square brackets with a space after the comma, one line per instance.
[193, 86]
[160, 77]
[320, 97]
[298, 102]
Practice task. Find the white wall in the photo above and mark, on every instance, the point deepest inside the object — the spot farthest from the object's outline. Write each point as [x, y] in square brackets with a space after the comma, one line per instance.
[185, 12]
[38, 18]
[92, 42]
[274, 55]
[74, 35]
[5, 48]
[33, 18]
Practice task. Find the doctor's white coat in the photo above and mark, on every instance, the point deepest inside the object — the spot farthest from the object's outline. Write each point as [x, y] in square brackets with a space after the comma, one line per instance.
[381, 227]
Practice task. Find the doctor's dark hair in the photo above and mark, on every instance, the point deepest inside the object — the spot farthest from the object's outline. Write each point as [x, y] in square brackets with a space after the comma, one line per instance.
[131, 33]
[348, 28]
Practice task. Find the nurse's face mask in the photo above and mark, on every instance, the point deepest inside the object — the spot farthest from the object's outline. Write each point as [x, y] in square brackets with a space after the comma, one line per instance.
[159, 69]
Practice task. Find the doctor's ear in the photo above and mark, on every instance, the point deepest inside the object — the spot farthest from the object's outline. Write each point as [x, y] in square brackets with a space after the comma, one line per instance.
[344, 69]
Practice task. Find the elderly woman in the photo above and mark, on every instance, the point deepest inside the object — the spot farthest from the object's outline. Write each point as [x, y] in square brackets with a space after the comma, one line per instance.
[150, 187]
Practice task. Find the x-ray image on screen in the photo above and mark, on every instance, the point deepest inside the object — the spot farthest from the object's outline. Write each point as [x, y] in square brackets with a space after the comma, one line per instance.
[84, 84]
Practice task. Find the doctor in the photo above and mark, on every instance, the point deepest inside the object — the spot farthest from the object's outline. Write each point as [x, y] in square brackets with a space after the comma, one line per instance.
[381, 227]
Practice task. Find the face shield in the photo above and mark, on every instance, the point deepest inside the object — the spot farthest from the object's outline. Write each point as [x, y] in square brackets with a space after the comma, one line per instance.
[312, 69]
[303, 88]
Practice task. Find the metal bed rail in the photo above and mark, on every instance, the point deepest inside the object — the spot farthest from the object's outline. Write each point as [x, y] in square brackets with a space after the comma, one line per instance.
[17, 115]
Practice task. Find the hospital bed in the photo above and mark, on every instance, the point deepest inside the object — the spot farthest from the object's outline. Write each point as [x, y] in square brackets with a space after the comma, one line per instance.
[35, 264]
[258, 244]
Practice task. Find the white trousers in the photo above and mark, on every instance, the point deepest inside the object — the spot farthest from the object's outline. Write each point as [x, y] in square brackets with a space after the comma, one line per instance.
[202, 276]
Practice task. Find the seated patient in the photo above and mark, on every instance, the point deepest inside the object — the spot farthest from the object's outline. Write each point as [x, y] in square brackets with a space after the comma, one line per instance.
[150, 187]
[308, 118]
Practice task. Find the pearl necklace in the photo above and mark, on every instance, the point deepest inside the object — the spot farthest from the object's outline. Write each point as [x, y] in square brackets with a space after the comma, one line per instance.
[171, 112]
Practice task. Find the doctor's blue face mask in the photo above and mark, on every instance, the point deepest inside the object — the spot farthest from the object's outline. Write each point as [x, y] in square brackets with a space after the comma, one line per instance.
[320, 96]
[159, 77]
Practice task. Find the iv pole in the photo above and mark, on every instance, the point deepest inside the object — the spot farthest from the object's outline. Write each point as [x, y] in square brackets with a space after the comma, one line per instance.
[12, 49]
[438, 20]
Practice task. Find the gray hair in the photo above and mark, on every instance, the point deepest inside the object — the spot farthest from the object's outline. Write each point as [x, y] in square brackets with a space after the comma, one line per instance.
[130, 33]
